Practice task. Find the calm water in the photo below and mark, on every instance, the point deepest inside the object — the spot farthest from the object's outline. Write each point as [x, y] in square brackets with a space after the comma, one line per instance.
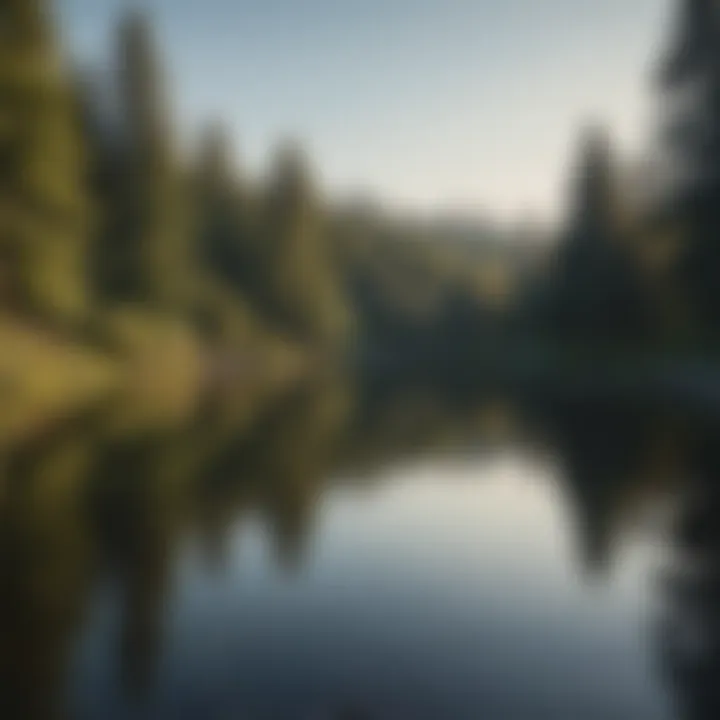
[346, 554]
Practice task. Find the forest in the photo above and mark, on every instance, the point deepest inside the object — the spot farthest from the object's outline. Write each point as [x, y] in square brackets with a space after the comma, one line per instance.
[128, 267]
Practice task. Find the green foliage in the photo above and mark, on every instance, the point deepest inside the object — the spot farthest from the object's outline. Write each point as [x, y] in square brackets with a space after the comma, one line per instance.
[239, 261]
[271, 244]
[43, 210]
[225, 217]
[92, 190]
[297, 257]
[157, 226]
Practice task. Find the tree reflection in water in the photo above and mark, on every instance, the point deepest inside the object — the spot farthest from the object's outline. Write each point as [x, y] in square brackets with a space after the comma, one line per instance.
[87, 503]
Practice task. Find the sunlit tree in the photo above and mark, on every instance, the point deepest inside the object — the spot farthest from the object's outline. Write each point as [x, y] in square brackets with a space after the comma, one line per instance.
[43, 205]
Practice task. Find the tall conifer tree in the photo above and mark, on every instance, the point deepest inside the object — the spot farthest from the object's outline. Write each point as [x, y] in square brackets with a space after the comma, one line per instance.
[303, 277]
[691, 82]
[43, 205]
[595, 294]
[155, 230]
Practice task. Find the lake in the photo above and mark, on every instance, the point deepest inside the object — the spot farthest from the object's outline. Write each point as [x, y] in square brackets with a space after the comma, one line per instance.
[357, 551]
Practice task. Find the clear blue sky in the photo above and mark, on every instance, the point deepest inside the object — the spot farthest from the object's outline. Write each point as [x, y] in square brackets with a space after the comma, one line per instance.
[472, 103]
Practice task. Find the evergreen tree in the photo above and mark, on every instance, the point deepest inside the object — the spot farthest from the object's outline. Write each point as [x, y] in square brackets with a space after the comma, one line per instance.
[691, 80]
[103, 179]
[695, 36]
[595, 292]
[226, 224]
[43, 206]
[301, 274]
[216, 172]
[224, 237]
[154, 259]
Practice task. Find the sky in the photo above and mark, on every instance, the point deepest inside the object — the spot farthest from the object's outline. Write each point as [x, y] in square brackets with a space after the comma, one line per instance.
[472, 105]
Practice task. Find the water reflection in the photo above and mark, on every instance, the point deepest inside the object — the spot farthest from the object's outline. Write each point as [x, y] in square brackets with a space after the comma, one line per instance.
[689, 635]
[92, 517]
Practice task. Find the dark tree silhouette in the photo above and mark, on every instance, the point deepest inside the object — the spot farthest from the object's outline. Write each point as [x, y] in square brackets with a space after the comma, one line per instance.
[154, 260]
[595, 293]
[691, 81]
[689, 631]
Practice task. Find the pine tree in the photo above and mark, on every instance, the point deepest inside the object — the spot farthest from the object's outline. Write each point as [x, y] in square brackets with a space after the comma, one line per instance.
[303, 279]
[691, 80]
[225, 210]
[43, 206]
[217, 174]
[154, 231]
[693, 45]
[595, 292]
[224, 237]
[594, 204]
[104, 179]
